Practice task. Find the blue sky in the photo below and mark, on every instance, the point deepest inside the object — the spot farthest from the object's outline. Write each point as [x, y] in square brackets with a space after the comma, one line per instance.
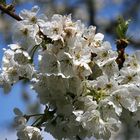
[8, 102]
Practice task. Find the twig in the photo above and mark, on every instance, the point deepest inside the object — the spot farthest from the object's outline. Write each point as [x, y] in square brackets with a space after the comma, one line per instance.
[10, 13]
[121, 45]
[34, 115]
[136, 43]
[37, 121]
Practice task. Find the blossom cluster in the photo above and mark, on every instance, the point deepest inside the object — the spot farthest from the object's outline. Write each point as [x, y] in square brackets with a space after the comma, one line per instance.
[76, 76]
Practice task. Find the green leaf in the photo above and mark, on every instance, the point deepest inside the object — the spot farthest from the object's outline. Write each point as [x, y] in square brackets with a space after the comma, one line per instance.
[122, 27]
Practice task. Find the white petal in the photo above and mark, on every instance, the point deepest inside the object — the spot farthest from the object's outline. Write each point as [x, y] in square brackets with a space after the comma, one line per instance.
[99, 37]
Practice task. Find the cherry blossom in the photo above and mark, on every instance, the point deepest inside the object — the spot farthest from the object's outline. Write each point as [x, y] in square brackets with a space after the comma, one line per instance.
[76, 77]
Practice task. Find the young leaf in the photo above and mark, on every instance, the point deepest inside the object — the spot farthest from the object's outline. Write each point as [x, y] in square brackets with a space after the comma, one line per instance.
[122, 27]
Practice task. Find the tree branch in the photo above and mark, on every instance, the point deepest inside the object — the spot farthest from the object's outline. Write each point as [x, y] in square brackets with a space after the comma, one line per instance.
[135, 43]
[10, 13]
[91, 11]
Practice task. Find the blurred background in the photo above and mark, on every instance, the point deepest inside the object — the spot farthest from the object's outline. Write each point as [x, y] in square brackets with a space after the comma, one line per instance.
[101, 13]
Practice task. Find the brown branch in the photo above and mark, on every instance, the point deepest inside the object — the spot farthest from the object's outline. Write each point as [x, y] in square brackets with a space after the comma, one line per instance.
[10, 13]
[18, 18]
[92, 13]
[136, 43]
[121, 45]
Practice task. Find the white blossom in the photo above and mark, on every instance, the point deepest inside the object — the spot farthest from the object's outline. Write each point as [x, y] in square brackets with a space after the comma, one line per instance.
[122, 97]
[5, 83]
[26, 35]
[29, 133]
[76, 77]
[31, 16]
